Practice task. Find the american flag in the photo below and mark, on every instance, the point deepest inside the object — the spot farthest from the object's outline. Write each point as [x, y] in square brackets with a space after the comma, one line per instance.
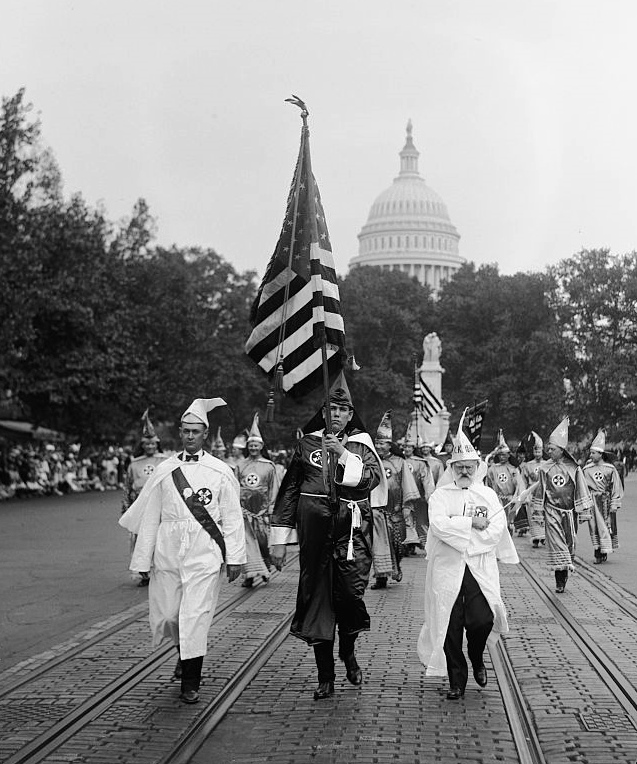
[424, 399]
[298, 305]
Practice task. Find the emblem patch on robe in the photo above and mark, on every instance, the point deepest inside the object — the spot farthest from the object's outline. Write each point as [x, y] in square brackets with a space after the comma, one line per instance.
[252, 480]
[558, 481]
[598, 475]
[316, 458]
[148, 469]
[205, 496]
[411, 466]
[502, 477]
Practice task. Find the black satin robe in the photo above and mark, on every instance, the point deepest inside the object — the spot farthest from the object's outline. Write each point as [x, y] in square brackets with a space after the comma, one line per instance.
[331, 588]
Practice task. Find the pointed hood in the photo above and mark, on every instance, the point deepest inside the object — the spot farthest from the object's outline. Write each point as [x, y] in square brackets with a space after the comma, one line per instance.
[384, 431]
[254, 435]
[462, 448]
[502, 446]
[340, 395]
[240, 441]
[599, 442]
[148, 431]
[218, 444]
[197, 412]
[559, 436]
[537, 441]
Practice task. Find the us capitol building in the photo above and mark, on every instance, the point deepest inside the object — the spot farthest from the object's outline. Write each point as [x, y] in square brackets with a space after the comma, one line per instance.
[408, 227]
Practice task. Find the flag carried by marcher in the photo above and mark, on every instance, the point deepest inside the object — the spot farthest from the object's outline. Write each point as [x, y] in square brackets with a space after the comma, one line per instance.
[424, 399]
[297, 309]
[473, 421]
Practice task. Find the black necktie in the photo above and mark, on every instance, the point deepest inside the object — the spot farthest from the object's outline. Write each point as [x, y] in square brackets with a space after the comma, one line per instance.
[192, 457]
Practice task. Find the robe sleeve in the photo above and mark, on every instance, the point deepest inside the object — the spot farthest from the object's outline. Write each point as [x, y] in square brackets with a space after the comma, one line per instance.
[232, 520]
[283, 520]
[488, 539]
[410, 489]
[582, 498]
[453, 530]
[147, 532]
[616, 491]
[358, 469]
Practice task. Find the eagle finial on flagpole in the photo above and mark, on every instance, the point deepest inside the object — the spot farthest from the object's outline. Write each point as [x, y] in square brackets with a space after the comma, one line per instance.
[301, 104]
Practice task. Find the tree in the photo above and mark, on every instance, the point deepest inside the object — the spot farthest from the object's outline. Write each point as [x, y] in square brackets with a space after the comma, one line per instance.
[500, 341]
[595, 299]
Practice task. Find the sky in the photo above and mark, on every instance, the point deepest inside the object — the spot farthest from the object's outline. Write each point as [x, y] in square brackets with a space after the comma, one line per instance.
[524, 113]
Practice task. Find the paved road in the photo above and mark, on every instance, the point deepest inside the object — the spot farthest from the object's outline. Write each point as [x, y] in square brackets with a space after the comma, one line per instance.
[63, 567]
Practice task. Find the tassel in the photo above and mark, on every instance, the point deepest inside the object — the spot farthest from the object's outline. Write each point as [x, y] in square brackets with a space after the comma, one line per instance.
[356, 523]
[269, 409]
[351, 363]
[278, 377]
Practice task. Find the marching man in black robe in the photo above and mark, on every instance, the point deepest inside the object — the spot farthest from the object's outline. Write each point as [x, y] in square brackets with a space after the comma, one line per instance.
[334, 537]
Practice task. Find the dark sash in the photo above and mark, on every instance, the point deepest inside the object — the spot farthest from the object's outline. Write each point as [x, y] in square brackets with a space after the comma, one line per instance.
[195, 505]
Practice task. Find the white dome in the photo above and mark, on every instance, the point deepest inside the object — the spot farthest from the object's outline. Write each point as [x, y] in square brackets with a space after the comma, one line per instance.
[408, 227]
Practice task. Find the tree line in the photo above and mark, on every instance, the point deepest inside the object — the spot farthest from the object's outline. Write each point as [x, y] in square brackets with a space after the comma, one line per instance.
[97, 323]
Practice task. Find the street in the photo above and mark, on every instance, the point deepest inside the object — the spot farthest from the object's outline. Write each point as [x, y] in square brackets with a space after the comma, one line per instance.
[63, 567]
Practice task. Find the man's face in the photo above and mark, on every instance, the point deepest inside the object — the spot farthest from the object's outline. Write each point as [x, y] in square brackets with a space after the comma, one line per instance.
[596, 456]
[426, 450]
[554, 452]
[463, 472]
[254, 449]
[448, 448]
[340, 416]
[408, 448]
[193, 437]
[537, 452]
[149, 447]
[503, 457]
[383, 447]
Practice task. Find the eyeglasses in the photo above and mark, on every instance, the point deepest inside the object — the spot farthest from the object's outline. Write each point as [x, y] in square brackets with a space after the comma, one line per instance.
[469, 468]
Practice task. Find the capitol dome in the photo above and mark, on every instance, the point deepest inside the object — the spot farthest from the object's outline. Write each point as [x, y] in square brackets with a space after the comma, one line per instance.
[408, 227]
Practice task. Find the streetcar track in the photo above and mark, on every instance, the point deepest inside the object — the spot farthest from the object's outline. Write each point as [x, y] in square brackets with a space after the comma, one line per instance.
[621, 688]
[83, 714]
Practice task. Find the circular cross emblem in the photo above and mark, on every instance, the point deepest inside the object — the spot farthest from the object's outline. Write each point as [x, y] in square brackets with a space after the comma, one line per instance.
[558, 481]
[536, 469]
[388, 472]
[599, 475]
[252, 480]
[502, 477]
[316, 458]
[148, 469]
[411, 466]
[205, 496]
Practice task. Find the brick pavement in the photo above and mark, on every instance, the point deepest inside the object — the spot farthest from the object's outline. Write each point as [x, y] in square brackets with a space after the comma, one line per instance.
[397, 715]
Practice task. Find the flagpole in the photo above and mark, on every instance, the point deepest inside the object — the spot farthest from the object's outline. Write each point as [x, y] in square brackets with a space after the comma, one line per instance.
[415, 406]
[322, 335]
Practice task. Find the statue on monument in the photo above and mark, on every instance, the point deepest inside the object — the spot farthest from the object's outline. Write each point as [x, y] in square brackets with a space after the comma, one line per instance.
[431, 348]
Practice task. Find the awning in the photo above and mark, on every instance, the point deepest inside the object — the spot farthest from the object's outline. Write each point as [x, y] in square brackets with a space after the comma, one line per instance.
[9, 428]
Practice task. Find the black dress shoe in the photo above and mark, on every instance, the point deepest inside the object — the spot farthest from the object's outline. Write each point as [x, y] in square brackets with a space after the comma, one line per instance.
[189, 696]
[379, 583]
[353, 670]
[560, 588]
[480, 675]
[324, 690]
[454, 693]
[247, 584]
[177, 673]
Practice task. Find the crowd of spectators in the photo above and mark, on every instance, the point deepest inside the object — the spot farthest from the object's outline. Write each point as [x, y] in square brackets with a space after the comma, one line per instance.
[55, 469]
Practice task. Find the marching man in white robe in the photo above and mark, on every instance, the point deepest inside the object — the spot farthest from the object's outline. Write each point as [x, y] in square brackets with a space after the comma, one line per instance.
[189, 522]
[467, 535]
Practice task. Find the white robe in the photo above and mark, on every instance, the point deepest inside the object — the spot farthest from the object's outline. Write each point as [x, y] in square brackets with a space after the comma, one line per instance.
[451, 544]
[183, 560]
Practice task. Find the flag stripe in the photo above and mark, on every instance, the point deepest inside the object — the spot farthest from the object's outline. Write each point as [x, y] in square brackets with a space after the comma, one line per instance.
[298, 303]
